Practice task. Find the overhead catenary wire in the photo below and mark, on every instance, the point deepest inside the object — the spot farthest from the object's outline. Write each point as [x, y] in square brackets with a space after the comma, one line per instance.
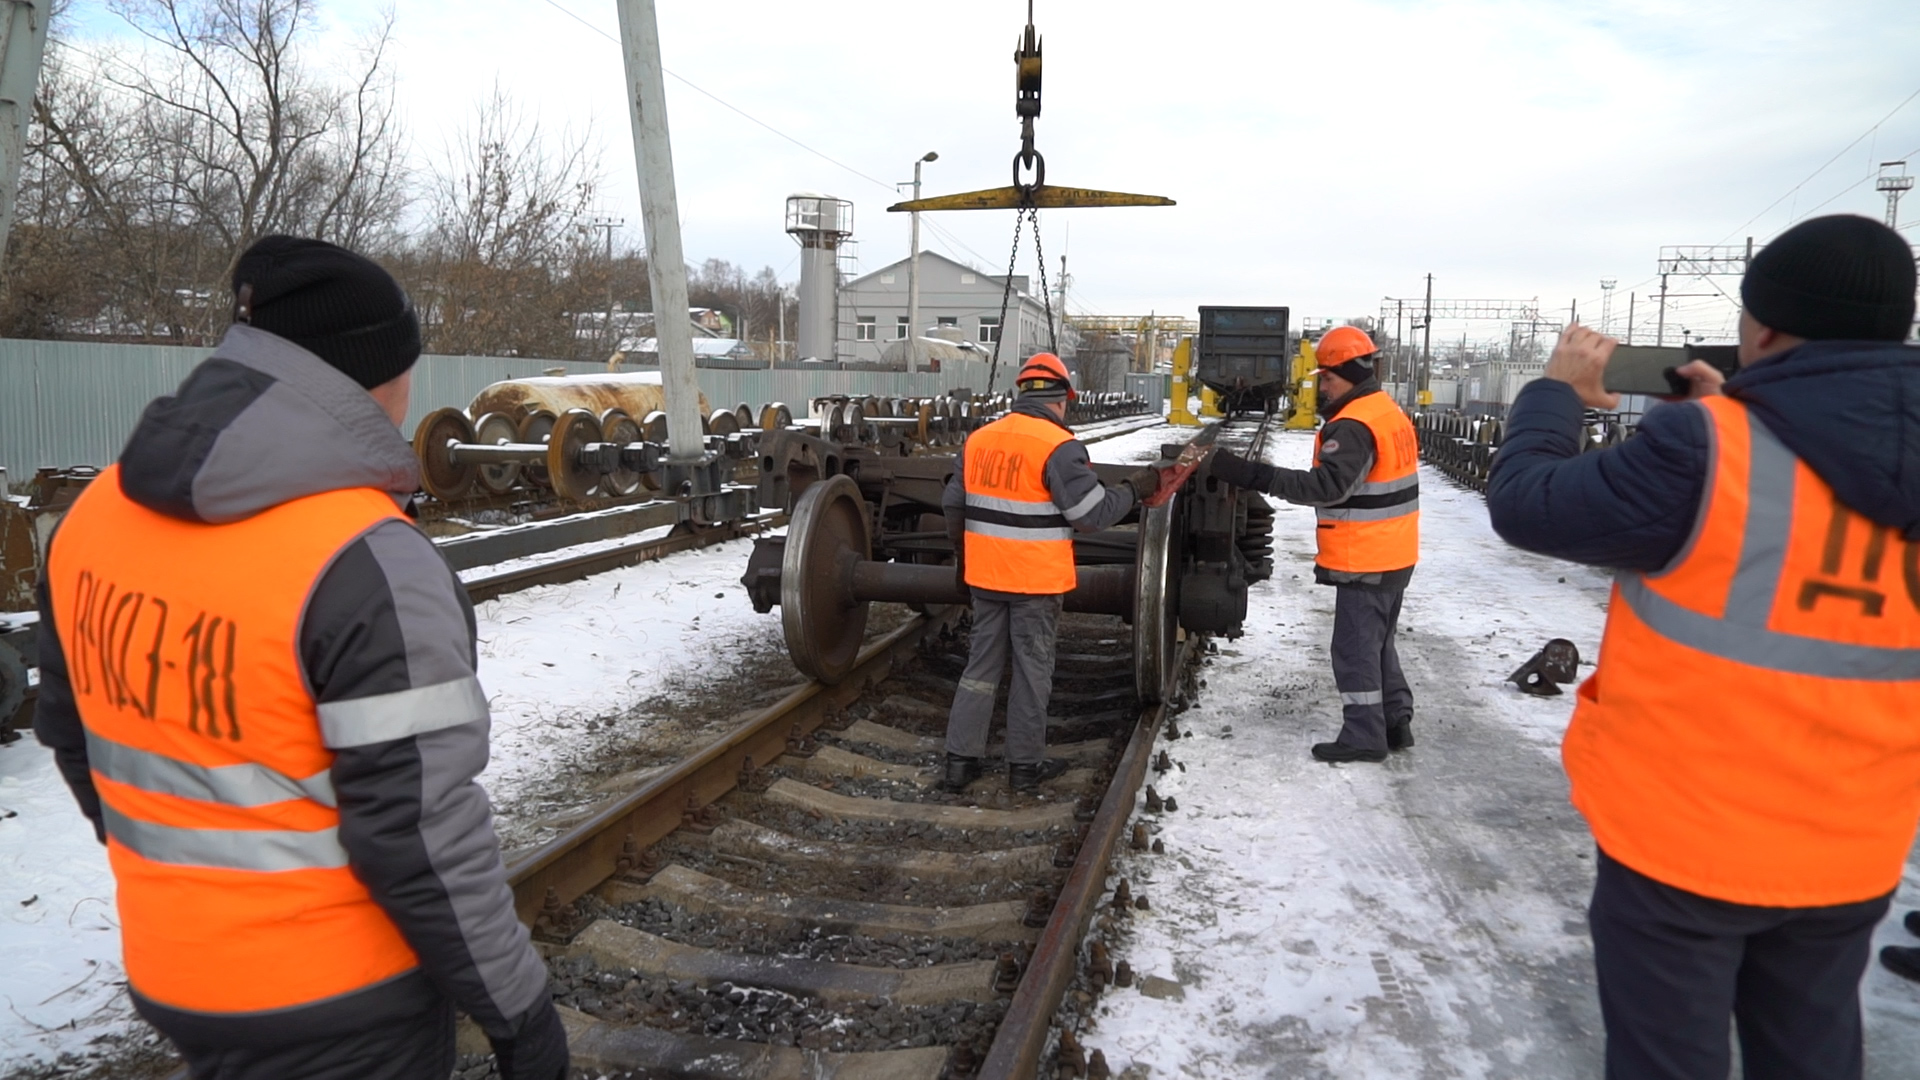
[730, 105]
[1823, 168]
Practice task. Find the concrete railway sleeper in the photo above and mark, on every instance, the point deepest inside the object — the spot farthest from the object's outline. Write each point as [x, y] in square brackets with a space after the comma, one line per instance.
[798, 901]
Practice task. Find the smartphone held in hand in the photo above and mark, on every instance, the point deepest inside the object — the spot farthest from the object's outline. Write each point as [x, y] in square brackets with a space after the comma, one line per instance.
[1652, 370]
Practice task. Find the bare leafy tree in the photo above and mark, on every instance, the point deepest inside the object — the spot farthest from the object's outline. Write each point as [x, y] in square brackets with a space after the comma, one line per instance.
[165, 162]
[507, 263]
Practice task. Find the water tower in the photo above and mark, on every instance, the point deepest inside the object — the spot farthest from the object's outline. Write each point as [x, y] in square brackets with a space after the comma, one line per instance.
[819, 223]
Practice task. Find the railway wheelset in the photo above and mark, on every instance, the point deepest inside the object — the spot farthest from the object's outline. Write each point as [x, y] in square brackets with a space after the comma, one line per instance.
[867, 528]
[604, 438]
[1460, 446]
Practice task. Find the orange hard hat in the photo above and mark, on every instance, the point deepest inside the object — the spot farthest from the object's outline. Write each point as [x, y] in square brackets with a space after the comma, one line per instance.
[1341, 344]
[1046, 367]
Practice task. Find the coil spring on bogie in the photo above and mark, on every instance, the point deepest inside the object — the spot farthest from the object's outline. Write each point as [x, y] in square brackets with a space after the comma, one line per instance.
[1255, 536]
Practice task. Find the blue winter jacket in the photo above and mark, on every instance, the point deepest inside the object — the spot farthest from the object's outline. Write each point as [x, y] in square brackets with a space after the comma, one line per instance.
[1849, 409]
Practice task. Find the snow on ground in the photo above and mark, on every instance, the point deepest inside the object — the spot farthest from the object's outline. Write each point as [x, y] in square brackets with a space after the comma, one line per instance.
[1425, 918]
[60, 977]
[1422, 918]
[566, 669]
[563, 665]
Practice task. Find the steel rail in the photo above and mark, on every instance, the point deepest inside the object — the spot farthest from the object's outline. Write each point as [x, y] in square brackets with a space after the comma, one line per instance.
[1023, 1036]
[576, 567]
[588, 854]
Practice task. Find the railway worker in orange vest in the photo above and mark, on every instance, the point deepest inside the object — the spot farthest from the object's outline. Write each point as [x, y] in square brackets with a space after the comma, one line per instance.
[1747, 752]
[1365, 488]
[260, 687]
[1021, 487]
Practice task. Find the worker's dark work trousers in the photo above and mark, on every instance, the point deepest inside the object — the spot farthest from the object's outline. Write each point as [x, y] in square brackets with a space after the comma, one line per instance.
[1027, 627]
[1673, 965]
[414, 1047]
[1366, 668]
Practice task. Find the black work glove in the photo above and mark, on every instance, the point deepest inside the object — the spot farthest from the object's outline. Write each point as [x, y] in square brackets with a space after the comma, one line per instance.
[1144, 483]
[1238, 471]
[538, 1048]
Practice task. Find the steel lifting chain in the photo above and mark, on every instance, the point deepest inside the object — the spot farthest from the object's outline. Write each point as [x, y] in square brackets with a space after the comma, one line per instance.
[1006, 295]
[1046, 294]
[1021, 217]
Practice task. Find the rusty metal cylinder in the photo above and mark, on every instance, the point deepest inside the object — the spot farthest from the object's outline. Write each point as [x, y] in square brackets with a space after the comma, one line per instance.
[635, 393]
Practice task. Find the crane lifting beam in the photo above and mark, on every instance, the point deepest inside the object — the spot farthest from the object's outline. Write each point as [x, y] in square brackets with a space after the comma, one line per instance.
[1035, 194]
[1039, 196]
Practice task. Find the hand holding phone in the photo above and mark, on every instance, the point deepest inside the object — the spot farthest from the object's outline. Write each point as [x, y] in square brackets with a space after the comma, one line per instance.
[1580, 360]
[1671, 371]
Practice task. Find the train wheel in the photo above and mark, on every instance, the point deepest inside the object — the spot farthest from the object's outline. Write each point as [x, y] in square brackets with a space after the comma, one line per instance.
[655, 425]
[572, 478]
[723, 422]
[535, 428]
[1156, 604]
[492, 430]
[824, 625]
[617, 427]
[441, 478]
[743, 414]
[775, 416]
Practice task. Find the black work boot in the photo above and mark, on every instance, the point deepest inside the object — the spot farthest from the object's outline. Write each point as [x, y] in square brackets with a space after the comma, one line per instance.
[1027, 775]
[1400, 735]
[1335, 753]
[1902, 960]
[961, 771]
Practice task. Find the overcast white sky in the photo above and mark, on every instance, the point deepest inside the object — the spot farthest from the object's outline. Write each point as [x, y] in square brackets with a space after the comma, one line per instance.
[1323, 154]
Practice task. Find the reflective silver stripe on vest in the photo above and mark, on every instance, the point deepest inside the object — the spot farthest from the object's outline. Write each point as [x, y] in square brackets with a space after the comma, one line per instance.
[1387, 487]
[385, 717]
[1013, 506]
[265, 850]
[1742, 635]
[245, 784]
[1017, 532]
[1371, 513]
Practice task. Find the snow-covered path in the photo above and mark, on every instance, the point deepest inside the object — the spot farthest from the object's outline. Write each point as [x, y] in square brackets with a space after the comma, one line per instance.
[1425, 918]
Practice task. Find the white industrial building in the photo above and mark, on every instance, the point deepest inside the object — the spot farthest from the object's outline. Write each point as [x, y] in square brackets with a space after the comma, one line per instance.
[956, 301]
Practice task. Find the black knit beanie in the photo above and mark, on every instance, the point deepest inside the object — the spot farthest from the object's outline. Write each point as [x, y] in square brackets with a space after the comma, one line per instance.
[1838, 277]
[339, 306]
[1357, 370]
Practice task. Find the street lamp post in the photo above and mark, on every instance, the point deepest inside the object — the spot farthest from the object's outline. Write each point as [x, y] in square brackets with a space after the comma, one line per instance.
[913, 273]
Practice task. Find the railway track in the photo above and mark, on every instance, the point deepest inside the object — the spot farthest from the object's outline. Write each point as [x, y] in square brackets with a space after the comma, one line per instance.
[486, 586]
[795, 900]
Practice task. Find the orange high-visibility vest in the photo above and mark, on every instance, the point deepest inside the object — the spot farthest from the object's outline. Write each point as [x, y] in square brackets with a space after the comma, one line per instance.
[1752, 732]
[1377, 528]
[182, 644]
[1018, 541]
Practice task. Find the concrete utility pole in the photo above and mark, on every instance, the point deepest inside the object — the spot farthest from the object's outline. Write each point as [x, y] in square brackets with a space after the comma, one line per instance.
[1426, 347]
[608, 224]
[23, 42]
[660, 213]
[913, 272]
[1660, 335]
